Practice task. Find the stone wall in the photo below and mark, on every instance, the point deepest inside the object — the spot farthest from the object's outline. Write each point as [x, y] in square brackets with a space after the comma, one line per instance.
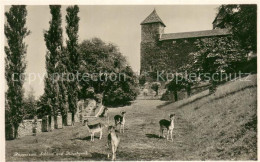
[151, 32]
[26, 127]
[176, 52]
[166, 55]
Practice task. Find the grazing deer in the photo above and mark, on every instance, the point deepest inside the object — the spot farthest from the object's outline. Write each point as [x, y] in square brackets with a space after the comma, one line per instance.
[166, 124]
[121, 121]
[94, 129]
[112, 141]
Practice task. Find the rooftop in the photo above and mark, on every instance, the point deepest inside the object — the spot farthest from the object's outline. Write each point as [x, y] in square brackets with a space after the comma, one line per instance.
[195, 34]
[153, 18]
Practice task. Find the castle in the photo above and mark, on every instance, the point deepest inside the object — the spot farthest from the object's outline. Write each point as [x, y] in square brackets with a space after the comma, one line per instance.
[169, 51]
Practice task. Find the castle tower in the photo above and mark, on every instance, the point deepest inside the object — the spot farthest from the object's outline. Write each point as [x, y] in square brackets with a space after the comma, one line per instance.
[151, 29]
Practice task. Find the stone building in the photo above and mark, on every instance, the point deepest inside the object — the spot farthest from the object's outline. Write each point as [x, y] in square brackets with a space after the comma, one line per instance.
[169, 51]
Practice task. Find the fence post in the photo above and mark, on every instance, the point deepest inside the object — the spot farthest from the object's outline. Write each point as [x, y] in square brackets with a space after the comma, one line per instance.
[34, 126]
[51, 122]
[59, 121]
[69, 119]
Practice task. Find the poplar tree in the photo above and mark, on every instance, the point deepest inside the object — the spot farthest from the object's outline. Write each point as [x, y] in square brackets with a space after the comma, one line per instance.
[72, 28]
[53, 40]
[15, 32]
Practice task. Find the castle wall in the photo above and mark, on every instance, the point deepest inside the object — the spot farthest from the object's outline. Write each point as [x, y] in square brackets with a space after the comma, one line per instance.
[176, 52]
[167, 55]
[149, 45]
[172, 52]
[151, 32]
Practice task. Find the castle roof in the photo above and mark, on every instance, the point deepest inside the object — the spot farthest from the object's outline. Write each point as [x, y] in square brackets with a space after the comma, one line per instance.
[153, 18]
[195, 34]
[220, 16]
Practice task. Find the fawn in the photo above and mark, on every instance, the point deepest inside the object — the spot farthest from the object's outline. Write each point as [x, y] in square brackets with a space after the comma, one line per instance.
[112, 141]
[121, 121]
[166, 124]
[94, 128]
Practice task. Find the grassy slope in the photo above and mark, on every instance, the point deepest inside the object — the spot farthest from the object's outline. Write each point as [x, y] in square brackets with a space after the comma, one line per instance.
[224, 124]
[211, 127]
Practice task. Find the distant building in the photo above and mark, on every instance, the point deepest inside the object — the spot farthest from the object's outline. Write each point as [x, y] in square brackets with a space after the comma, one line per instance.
[169, 51]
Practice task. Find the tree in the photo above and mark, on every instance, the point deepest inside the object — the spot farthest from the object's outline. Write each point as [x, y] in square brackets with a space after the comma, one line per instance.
[72, 28]
[155, 86]
[142, 79]
[44, 106]
[100, 61]
[121, 91]
[53, 41]
[30, 105]
[188, 72]
[243, 22]
[15, 32]
[175, 85]
[216, 56]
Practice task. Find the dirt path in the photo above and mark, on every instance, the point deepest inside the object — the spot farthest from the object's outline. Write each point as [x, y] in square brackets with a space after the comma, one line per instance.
[139, 142]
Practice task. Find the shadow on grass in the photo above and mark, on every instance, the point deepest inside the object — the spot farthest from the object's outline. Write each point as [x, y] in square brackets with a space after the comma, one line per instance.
[85, 138]
[217, 98]
[196, 99]
[152, 136]
[164, 104]
[233, 92]
[98, 156]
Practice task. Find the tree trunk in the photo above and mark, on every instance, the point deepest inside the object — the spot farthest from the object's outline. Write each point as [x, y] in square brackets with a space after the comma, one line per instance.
[73, 118]
[188, 91]
[9, 128]
[16, 126]
[213, 87]
[175, 96]
[64, 119]
[55, 122]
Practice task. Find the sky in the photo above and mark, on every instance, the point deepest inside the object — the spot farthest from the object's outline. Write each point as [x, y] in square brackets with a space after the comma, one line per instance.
[119, 25]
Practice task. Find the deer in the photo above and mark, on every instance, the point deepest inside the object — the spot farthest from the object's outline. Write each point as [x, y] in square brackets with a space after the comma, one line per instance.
[113, 141]
[94, 129]
[120, 120]
[168, 125]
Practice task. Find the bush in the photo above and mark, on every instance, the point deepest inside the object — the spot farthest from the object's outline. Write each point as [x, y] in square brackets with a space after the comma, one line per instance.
[119, 97]
[155, 86]
[166, 96]
[142, 80]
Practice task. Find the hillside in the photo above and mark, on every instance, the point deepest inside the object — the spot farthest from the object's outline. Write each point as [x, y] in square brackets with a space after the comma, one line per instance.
[224, 124]
[207, 127]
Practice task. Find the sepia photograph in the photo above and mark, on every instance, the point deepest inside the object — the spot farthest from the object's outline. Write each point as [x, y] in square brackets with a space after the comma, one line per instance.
[130, 82]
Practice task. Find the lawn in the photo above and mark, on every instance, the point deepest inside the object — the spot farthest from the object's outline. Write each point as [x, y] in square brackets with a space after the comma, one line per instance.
[221, 126]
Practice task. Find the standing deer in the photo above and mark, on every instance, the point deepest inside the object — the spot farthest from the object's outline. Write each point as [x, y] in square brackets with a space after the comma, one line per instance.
[168, 125]
[94, 129]
[112, 141]
[120, 120]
